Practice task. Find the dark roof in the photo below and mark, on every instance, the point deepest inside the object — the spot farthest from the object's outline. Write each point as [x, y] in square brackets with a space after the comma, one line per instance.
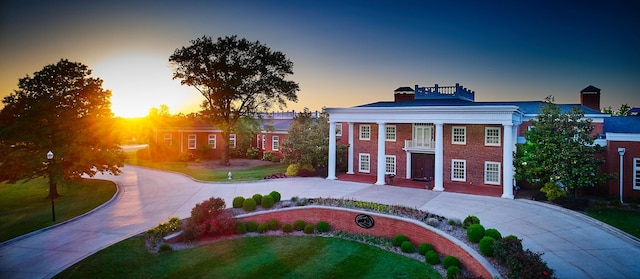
[622, 124]
[591, 88]
[278, 124]
[404, 89]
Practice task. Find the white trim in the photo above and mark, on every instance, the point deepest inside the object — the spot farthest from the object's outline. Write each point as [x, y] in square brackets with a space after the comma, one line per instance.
[464, 170]
[169, 139]
[453, 135]
[264, 142]
[209, 140]
[395, 164]
[486, 164]
[386, 132]
[275, 143]
[635, 180]
[486, 136]
[368, 156]
[622, 137]
[360, 127]
[192, 141]
[232, 138]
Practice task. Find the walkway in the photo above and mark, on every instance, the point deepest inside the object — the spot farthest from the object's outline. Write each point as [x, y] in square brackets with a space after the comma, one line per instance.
[574, 245]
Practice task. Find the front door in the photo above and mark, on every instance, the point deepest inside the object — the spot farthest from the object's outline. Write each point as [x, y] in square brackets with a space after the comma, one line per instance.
[422, 166]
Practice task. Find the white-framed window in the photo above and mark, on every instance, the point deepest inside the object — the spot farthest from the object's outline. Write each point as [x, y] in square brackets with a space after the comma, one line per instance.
[492, 136]
[275, 142]
[636, 173]
[211, 140]
[364, 164]
[339, 129]
[232, 140]
[168, 139]
[459, 135]
[492, 173]
[458, 170]
[258, 141]
[264, 142]
[390, 133]
[191, 141]
[365, 132]
[390, 164]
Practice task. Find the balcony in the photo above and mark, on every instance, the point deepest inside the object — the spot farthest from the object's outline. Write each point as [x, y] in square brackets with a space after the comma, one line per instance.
[419, 145]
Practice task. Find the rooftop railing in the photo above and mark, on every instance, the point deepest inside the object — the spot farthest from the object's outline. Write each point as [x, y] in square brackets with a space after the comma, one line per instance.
[444, 92]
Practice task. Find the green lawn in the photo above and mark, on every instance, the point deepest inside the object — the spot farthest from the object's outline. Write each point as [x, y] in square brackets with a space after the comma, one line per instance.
[26, 206]
[623, 219]
[252, 257]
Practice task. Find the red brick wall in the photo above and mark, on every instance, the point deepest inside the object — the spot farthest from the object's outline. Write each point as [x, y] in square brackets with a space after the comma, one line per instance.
[365, 146]
[387, 226]
[632, 150]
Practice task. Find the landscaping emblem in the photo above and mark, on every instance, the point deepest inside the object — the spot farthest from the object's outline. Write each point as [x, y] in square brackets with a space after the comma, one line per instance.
[364, 221]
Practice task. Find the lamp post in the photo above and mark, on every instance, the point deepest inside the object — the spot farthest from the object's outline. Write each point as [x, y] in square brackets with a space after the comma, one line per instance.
[53, 207]
[621, 151]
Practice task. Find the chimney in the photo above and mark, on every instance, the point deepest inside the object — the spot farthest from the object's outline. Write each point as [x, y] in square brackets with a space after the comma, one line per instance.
[590, 97]
[403, 94]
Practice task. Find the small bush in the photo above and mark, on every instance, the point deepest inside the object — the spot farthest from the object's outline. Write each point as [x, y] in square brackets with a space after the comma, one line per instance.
[407, 247]
[237, 202]
[309, 229]
[470, 220]
[434, 222]
[252, 226]
[322, 226]
[423, 248]
[249, 204]
[431, 257]
[276, 196]
[298, 225]
[164, 247]
[527, 264]
[206, 210]
[486, 247]
[257, 198]
[454, 272]
[241, 228]
[475, 232]
[252, 153]
[492, 233]
[287, 228]
[262, 228]
[273, 225]
[267, 201]
[504, 248]
[450, 261]
[398, 239]
[292, 170]
[454, 222]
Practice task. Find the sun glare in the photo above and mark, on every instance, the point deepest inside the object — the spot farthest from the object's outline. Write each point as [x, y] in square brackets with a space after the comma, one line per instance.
[139, 82]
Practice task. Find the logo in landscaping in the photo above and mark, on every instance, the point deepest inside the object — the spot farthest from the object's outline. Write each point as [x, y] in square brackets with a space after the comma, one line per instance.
[364, 221]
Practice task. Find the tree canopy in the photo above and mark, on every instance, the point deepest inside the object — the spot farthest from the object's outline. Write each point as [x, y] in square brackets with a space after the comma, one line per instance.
[307, 140]
[559, 154]
[64, 110]
[238, 78]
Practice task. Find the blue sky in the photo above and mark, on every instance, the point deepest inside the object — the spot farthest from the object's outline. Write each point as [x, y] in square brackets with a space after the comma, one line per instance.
[345, 53]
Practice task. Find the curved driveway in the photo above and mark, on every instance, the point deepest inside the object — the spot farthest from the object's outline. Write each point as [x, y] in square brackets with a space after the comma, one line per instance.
[574, 245]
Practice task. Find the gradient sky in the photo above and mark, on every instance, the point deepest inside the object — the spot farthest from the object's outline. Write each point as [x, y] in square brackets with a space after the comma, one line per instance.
[345, 53]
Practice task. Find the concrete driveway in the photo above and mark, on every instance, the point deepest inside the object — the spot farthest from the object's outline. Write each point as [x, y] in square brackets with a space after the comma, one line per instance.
[575, 246]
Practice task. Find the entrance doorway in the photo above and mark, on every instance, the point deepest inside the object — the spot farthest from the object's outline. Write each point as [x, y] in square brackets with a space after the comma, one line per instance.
[422, 166]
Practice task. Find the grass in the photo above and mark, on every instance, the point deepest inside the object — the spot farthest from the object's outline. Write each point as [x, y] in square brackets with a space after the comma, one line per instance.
[623, 219]
[26, 206]
[252, 257]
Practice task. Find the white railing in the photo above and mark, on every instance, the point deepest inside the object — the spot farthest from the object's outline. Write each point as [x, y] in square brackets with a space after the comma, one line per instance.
[419, 145]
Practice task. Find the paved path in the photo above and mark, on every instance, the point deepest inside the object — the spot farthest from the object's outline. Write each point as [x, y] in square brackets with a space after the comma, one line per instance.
[574, 245]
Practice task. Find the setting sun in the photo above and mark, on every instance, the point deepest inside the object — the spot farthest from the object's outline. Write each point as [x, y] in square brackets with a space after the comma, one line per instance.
[140, 82]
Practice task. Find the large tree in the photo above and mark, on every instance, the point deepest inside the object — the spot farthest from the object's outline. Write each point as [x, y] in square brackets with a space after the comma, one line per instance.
[237, 78]
[307, 141]
[64, 110]
[559, 154]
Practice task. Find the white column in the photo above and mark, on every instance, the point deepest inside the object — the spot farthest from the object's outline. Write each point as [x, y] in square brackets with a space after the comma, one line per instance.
[408, 171]
[331, 169]
[350, 150]
[438, 178]
[381, 156]
[507, 162]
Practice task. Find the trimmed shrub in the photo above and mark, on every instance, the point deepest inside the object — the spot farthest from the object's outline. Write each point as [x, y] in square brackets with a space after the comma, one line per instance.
[206, 210]
[431, 257]
[475, 232]
[485, 246]
[276, 196]
[292, 170]
[237, 202]
[454, 222]
[273, 225]
[257, 198]
[252, 226]
[492, 233]
[241, 228]
[407, 247]
[267, 201]
[287, 228]
[423, 248]
[470, 220]
[454, 272]
[298, 225]
[322, 226]
[504, 248]
[262, 228]
[164, 247]
[398, 239]
[309, 229]
[450, 261]
[249, 204]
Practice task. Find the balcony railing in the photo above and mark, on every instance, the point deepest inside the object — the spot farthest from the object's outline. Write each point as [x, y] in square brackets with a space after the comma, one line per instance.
[419, 145]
